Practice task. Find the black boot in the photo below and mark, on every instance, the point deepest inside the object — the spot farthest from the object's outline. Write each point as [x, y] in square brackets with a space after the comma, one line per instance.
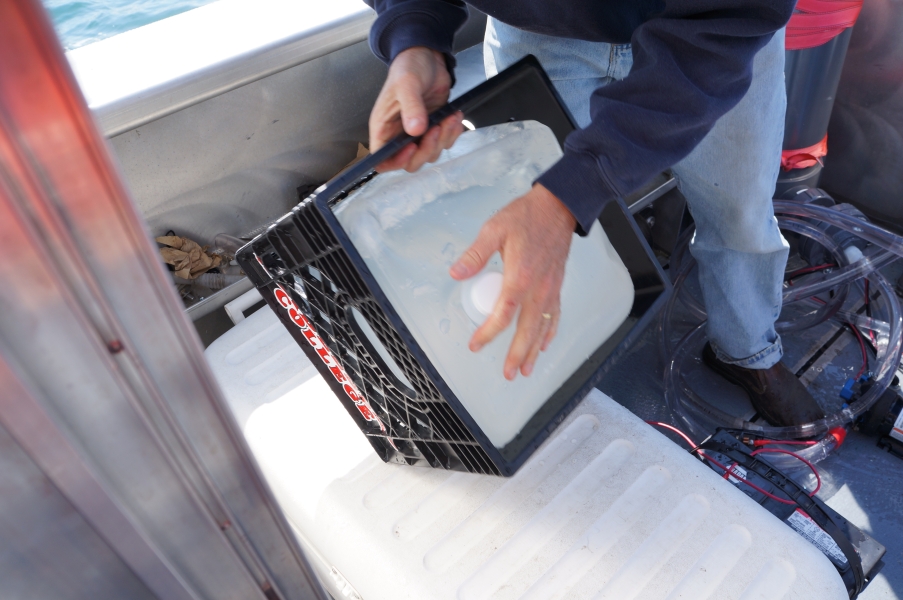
[775, 392]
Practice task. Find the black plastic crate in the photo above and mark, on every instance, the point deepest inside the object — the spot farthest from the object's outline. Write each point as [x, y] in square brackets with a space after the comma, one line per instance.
[313, 278]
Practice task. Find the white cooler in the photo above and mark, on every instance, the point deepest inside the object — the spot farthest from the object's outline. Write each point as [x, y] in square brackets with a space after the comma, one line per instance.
[606, 508]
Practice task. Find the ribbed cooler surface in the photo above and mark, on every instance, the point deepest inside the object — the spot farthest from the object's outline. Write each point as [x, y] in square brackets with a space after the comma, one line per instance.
[606, 508]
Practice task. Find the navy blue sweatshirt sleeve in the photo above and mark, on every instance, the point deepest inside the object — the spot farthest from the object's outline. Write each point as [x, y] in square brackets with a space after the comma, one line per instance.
[691, 65]
[692, 62]
[404, 24]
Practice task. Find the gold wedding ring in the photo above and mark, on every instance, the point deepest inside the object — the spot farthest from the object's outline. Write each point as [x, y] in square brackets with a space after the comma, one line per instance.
[546, 316]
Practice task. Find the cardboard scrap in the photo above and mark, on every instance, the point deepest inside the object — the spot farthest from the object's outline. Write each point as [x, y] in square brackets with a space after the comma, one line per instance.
[187, 256]
[362, 152]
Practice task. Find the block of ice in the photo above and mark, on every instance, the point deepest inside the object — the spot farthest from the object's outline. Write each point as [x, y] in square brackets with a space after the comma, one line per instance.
[410, 228]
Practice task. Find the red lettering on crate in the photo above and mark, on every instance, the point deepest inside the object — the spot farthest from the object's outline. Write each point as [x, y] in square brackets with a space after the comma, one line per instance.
[326, 356]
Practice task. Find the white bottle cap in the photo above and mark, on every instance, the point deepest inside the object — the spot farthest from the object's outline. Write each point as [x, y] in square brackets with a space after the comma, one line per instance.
[853, 254]
[480, 293]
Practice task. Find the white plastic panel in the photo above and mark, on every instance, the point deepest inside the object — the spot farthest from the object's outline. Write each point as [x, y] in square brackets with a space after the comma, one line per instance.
[607, 508]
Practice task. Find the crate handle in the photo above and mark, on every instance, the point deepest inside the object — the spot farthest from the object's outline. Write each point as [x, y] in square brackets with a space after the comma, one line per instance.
[380, 354]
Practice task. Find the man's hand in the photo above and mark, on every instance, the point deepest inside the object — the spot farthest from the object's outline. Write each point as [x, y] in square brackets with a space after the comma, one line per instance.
[418, 83]
[533, 234]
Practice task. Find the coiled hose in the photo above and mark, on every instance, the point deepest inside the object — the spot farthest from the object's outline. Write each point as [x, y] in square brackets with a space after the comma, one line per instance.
[886, 322]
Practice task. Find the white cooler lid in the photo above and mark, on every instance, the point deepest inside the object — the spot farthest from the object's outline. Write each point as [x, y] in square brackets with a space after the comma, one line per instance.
[606, 508]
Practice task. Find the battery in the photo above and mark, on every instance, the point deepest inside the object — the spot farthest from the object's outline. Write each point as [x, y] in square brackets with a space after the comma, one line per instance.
[891, 429]
[857, 556]
[885, 420]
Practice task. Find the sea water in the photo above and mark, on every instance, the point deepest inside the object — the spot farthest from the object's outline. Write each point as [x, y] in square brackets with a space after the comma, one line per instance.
[410, 228]
[81, 22]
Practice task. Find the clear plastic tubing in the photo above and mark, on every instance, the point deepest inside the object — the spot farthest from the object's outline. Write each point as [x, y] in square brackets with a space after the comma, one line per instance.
[816, 284]
[692, 410]
[867, 231]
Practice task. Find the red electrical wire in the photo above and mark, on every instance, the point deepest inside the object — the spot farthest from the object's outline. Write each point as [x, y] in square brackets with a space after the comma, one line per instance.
[865, 355]
[675, 430]
[719, 465]
[730, 472]
[797, 456]
[746, 481]
[803, 271]
[783, 443]
[868, 313]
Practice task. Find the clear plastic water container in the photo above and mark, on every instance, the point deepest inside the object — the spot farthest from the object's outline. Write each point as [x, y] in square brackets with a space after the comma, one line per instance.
[410, 228]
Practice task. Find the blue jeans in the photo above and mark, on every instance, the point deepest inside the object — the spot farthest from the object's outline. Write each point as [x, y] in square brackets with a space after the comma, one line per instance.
[728, 180]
